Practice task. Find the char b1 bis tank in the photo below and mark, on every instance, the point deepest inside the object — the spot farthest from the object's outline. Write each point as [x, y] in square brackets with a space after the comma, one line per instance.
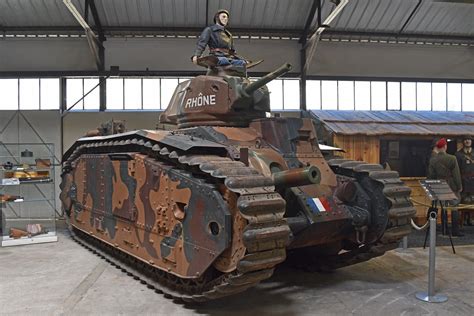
[208, 204]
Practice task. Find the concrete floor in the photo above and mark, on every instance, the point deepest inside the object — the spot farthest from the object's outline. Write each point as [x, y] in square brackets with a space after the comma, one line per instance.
[64, 278]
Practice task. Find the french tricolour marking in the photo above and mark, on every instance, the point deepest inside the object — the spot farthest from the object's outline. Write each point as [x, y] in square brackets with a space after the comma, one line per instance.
[319, 205]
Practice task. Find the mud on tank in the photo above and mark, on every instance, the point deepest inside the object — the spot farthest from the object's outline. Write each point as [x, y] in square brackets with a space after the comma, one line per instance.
[208, 205]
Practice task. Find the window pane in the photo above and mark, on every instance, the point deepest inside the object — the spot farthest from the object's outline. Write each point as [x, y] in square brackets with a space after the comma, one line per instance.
[291, 94]
[329, 95]
[74, 93]
[167, 89]
[362, 95]
[408, 96]
[379, 96]
[454, 97]
[151, 94]
[92, 101]
[29, 94]
[9, 94]
[346, 95]
[276, 94]
[393, 95]
[133, 94]
[423, 96]
[115, 94]
[439, 96]
[468, 96]
[313, 94]
[49, 94]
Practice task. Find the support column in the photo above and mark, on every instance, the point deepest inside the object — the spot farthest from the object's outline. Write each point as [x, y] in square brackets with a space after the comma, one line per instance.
[303, 41]
[303, 77]
[62, 109]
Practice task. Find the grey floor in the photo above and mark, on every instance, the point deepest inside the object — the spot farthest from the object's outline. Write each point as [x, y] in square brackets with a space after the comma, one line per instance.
[64, 278]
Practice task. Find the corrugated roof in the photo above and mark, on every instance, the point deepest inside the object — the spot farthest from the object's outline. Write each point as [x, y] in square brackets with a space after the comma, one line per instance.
[399, 122]
[255, 16]
[431, 17]
[132, 14]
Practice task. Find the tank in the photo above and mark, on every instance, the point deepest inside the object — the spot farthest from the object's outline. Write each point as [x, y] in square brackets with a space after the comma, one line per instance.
[208, 204]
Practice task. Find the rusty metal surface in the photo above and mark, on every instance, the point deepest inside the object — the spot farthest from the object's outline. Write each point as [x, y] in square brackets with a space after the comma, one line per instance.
[384, 187]
[138, 205]
[151, 211]
[210, 208]
[297, 177]
[220, 100]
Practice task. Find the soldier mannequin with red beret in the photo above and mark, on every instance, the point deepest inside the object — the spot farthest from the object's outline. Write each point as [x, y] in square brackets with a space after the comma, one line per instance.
[444, 166]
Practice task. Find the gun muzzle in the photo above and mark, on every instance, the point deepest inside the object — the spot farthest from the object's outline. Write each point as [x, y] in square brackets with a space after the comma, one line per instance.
[252, 87]
[296, 177]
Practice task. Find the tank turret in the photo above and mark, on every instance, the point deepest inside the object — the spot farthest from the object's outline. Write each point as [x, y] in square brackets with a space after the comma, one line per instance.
[221, 100]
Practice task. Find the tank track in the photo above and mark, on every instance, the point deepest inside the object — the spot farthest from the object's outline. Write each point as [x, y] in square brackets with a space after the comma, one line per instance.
[264, 237]
[399, 214]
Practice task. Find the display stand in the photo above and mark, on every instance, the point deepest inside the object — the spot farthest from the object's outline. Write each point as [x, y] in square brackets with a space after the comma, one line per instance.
[27, 193]
[438, 191]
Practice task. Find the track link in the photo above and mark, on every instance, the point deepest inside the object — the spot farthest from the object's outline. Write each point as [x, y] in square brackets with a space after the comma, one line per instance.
[264, 237]
[399, 213]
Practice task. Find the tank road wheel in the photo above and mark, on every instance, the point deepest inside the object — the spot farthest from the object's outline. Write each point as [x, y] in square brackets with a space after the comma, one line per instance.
[256, 229]
[388, 200]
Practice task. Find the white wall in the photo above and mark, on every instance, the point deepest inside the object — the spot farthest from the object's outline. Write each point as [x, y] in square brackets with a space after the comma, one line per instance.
[44, 128]
[393, 60]
[173, 54]
[39, 54]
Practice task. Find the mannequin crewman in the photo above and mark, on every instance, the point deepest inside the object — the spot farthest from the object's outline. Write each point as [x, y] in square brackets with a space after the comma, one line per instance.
[219, 40]
[465, 157]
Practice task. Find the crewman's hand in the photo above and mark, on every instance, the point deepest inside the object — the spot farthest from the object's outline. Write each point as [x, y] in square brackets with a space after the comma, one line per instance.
[195, 60]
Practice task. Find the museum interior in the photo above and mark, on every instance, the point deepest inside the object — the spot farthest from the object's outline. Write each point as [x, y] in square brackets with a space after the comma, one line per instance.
[230, 157]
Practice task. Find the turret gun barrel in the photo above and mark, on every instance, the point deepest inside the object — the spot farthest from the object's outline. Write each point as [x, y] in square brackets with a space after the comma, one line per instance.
[252, 87]
[297, 177]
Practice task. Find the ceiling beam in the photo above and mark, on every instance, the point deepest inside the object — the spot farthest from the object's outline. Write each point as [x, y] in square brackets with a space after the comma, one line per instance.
[412, 14]
[130, 30]
[303, 39]
[95, 44]
[195, 31]
[86, 11]
[317, 35]
[98, 24]
[333, 33]
[101, 65]
[112, 73]
[315, 6]
[157, 73]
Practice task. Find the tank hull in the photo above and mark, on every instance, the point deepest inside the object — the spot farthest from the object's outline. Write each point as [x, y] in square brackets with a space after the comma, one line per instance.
[177, 209]
[198, 207]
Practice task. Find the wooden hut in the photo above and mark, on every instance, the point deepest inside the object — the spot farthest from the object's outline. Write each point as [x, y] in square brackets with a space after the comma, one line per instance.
[401, 139]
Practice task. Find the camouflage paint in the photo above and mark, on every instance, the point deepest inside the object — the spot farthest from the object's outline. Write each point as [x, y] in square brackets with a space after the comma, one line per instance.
[282, 144]
[179, 242]
[159, 212]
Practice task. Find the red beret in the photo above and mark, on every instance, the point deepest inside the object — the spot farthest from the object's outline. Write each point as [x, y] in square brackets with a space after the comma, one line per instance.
[441, 143]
